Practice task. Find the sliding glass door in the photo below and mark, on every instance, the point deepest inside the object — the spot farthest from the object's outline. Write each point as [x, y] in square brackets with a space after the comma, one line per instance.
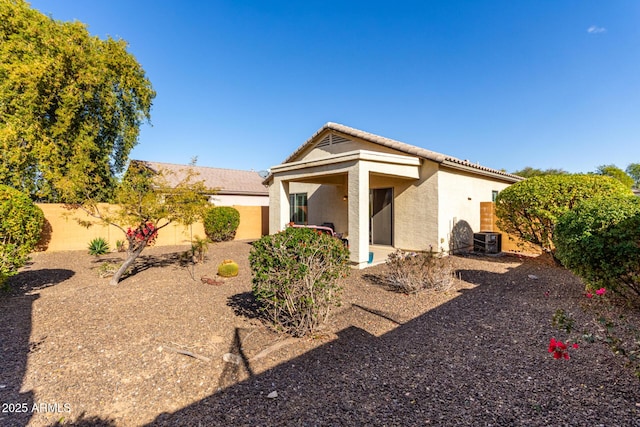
[381, 216]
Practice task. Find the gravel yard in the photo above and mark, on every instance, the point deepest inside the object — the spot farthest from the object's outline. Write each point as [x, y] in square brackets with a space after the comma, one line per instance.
[166, 348]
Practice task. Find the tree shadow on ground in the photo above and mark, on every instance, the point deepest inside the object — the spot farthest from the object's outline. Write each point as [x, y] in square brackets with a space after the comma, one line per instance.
[377, 280]
[479, 359]
[28, 281]
[245, 305]
[145, 262]
[16, 307]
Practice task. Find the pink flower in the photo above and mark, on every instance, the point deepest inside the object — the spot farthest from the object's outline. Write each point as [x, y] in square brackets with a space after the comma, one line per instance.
[588, 295]
[575, 345]
[601, 291]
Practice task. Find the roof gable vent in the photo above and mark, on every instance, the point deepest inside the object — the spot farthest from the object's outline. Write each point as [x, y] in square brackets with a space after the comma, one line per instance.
[332, 139]
[325, 141]
[335, 139]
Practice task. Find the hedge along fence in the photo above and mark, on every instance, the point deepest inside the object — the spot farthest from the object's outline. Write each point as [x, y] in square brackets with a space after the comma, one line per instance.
[62, 232]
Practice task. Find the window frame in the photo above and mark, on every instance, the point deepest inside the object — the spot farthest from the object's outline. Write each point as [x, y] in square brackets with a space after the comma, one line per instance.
[298, 207]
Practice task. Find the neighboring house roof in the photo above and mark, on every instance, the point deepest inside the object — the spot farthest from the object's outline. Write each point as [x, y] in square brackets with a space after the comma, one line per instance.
[224, 181]
[403, 147]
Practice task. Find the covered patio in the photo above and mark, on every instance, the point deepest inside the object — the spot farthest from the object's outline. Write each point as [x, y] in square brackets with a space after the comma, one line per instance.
[353, 191]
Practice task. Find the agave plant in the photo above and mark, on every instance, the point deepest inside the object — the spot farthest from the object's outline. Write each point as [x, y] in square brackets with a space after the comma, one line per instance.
[98, 246]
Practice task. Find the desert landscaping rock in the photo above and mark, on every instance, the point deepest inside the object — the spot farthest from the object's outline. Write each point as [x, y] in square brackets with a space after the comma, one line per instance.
[98, 355]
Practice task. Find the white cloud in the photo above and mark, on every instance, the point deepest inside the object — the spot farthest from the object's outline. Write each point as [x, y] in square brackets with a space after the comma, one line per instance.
[594, 29]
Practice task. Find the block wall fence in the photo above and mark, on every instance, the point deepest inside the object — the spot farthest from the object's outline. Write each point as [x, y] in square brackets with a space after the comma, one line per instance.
[62, 232]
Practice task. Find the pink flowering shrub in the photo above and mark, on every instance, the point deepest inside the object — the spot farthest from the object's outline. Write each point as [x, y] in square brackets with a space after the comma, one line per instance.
[600, 292]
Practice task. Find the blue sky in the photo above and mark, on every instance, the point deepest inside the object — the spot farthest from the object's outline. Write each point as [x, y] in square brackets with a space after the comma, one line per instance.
[508, 84]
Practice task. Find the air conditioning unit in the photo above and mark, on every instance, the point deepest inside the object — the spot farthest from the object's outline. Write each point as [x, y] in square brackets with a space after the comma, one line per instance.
[488, 243]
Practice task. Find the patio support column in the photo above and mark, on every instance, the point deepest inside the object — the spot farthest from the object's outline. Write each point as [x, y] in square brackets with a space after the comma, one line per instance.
[278, 205]
[358, 192]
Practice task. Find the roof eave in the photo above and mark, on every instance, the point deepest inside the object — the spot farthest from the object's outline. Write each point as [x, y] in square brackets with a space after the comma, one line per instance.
[474, 169]
[240, 193]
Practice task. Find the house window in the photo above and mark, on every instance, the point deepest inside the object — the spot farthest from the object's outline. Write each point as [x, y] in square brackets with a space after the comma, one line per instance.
[494, 194]
[298, 208]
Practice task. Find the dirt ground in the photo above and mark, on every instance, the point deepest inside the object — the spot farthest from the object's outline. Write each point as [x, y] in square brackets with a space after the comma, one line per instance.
[166, 348]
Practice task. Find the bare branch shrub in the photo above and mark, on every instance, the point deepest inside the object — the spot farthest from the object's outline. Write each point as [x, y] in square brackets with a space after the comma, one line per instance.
[412, 272]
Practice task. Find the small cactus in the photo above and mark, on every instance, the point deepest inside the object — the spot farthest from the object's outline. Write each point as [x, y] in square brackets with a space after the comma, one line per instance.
[228, 268]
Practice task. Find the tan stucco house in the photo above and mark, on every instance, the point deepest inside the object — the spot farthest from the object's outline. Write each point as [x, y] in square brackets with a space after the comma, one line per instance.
[380, 193]
[232, 187]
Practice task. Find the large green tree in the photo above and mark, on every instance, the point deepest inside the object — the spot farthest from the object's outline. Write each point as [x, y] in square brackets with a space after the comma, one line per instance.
[615, 172]
[633, 169]
[71, 106]
[529, 172]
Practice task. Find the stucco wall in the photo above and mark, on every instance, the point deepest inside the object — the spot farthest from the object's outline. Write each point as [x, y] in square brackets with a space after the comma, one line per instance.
[416, 210]
[460, 195]
[63, 232]
[326, 204]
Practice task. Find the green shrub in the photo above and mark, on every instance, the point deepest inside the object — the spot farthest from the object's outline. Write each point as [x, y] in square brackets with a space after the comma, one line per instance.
[295, 276]
[21, 222]
[411, 273]
[228, 268]
[98, 246]
[599, 241]
[530, 209]
[221, 223]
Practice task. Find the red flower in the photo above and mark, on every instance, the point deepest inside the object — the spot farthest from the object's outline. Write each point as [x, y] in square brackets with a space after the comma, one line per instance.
[588, 295]
[601, 291]
[559, 349]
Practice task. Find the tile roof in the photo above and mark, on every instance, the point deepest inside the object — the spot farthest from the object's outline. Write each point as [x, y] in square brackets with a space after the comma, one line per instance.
[403, 147]
[226, 181]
